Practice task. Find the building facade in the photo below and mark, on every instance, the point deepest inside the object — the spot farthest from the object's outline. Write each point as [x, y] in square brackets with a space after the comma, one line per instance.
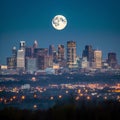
[71, 54]
[97, 59]
[21, 59]
[112, 60]
[88, 52]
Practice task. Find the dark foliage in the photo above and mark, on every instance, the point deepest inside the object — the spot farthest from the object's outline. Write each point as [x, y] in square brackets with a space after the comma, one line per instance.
[107, 110]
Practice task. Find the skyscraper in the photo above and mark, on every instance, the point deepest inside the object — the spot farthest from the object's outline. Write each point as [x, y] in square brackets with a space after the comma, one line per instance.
[40, 51]
[51, 50]
[112, 59]
[11, 62]
[14, 52]
[31, 65]
[21, 59]
[28, 52]
[35, 45]
[22, 45]
[88, 52]
[61, 52]
[97, 59]
[71, 54]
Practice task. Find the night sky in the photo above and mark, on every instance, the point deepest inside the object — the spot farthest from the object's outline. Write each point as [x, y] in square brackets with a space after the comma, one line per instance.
[94, 22]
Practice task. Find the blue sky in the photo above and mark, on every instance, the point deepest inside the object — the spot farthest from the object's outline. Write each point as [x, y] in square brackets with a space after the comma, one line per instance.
[94, 22]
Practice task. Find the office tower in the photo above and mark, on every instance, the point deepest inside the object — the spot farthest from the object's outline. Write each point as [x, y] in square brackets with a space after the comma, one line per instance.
[88, 52]
[21, 59]
[84, 63]
[11, 62]
[61, 56]
[28, 52]
[41, 55]
[14, 52]
[112, 59]
[61, 52]
[40, 51]
[44, 62]
[53, 53]
[55, 56]
[71, 54]
[41, 62]
[31, 65]
[97, 59]
[22, 45]
[51, 50]
[35, 45]
[49, 61]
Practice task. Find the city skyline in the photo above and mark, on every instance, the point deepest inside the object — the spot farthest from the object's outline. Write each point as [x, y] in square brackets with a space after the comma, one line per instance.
[95, 23]
[62, 57]
[23, 45]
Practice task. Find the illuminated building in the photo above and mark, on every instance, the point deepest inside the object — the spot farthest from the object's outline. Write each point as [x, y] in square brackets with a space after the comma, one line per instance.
[88, 52]
[21, 59]
[3, 67]
[61, 55]
[84, 63]
[55, 57]
[53, 53]
[49, 61]
[31, 65]
[22, 45]
[71, 54]
[40, 52]
[51, 50]
[112, 60]
[11, 62]
[41, 62]
[14, 52]
[44, 61]
[61, 52]
[97, 59]
[56, 66]
[28, 52]
[42, 57]
[35, 45]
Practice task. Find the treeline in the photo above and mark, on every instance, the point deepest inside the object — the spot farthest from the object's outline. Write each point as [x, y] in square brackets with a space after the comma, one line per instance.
[107, 110]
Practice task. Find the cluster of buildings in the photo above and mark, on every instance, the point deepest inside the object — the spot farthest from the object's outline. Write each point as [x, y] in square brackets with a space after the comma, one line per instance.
[41, 60]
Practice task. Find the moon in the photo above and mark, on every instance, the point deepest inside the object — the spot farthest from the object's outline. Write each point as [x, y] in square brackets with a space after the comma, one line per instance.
[59, 22]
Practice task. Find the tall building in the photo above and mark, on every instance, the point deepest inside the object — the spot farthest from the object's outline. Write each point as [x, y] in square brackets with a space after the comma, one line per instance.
[88, 52]
[53, 53]
[84, 63]
[97, 59]
[112, 59]
[71, 54]
[40, 51]
[41, 62]
[31, 65]
[55, 56]
[11, 62]
[22, 45]
[14, 52]
[35, 45]
[61, 52]
[28, 52]
[21, 59]
[51, 50]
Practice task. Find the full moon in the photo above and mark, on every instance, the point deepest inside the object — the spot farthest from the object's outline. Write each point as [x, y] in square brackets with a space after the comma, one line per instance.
[59, 22]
